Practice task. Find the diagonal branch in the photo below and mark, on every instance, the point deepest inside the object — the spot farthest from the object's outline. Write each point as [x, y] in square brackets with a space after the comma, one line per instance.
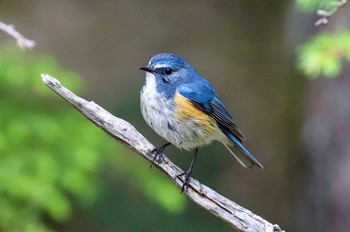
[236, 216]
[22, 42]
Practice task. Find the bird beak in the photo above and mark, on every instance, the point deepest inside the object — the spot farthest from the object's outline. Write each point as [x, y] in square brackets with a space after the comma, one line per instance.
[147, 69]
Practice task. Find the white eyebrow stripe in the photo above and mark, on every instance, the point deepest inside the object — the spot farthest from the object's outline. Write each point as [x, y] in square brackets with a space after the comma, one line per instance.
[160, 66]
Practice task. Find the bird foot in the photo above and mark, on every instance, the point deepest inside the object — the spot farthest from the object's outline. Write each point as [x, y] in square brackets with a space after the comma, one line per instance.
[158, 154]
[186, 181]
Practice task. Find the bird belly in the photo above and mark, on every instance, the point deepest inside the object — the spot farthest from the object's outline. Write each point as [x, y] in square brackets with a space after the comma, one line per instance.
[182, 126]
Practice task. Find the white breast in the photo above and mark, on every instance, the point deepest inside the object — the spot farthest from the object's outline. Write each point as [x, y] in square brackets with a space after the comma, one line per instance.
[156, 109]
[159, 114]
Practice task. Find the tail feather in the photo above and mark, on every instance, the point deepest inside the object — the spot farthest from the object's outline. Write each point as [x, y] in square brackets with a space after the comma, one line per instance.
[243, 155]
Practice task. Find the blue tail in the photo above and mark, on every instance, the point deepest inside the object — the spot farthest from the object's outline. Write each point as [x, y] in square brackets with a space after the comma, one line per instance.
[243, 156]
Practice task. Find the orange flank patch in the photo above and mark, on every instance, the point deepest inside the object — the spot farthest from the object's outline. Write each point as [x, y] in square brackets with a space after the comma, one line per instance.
[186, 110]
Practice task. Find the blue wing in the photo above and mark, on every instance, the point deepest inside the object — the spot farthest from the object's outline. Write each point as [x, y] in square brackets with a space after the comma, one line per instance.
[203, 96]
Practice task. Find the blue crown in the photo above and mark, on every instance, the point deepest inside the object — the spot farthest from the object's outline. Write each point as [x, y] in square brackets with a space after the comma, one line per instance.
[168, 60]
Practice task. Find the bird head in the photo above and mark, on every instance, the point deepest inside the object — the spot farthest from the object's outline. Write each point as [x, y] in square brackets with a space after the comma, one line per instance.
[169, 68]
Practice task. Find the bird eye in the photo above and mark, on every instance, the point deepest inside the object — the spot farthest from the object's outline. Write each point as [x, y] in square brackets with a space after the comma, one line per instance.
[168, 71]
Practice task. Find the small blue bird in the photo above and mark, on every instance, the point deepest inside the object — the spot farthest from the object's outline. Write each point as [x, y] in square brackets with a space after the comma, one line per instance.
[183, 108]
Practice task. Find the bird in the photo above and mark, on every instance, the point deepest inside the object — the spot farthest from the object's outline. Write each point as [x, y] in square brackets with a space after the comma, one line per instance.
[183, 107]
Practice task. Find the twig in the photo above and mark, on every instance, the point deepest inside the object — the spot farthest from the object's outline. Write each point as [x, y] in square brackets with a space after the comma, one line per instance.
[325, 15]
[22, 42]
[238, 217]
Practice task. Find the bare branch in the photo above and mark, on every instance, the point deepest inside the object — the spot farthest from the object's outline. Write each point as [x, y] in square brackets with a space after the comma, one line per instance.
[238, 217]
[325, 15]
[22, 42]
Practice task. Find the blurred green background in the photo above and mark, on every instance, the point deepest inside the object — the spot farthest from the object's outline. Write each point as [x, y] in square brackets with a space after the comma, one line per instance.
[285, 81]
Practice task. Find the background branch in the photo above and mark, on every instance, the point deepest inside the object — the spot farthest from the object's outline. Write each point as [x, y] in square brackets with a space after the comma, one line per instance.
[22, 42]
[236, 216]
[325, 15]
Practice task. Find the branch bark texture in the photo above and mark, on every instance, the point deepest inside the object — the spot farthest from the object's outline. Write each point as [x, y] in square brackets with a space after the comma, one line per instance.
[233, 214]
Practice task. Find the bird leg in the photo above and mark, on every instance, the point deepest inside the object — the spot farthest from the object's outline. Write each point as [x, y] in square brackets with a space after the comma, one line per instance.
[187, 174]
[158, 153]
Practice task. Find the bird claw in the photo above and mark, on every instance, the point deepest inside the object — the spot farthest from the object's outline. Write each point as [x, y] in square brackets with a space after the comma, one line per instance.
[158, 155]
[186, 181]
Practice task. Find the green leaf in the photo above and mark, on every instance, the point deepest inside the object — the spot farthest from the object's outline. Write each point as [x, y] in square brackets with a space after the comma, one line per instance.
[323, 54]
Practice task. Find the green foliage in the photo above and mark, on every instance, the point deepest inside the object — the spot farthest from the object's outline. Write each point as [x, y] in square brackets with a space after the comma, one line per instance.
[50, 155]
[47, 153]
[310, 5]
[324, 53]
